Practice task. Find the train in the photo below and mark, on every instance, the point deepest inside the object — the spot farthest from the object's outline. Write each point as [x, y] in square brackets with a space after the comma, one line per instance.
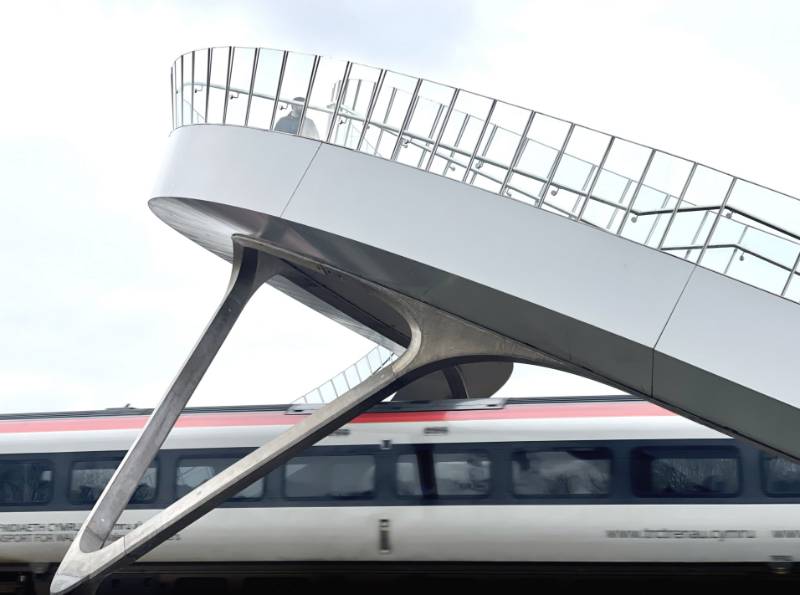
[612, 482]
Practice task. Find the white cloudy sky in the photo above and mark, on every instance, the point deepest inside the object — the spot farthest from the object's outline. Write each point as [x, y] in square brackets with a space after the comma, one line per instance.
[100, 302]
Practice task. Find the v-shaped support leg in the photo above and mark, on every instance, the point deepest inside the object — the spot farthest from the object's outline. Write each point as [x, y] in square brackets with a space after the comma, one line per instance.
[437, 340]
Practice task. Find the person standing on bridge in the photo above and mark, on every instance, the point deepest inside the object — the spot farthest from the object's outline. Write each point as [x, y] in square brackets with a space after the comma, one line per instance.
[291, 121]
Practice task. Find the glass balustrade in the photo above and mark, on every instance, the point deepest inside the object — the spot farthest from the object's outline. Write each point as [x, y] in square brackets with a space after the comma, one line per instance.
[689, 210]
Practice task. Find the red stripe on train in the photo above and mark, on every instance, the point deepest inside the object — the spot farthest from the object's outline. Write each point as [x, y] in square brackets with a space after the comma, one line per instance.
[263, 418]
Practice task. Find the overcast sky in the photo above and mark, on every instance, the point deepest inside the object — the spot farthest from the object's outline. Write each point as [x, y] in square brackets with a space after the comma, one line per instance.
[101, 302]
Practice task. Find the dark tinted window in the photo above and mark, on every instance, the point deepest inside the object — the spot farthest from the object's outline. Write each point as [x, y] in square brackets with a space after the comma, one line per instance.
[781, 476]
[435, 474]
[562, 472]
[89, 479]
[686, 472]
[335, 477]
[196, 471]
[26, 482]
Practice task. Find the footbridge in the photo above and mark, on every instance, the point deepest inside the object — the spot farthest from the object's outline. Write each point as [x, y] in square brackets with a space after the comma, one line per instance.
[462, 234]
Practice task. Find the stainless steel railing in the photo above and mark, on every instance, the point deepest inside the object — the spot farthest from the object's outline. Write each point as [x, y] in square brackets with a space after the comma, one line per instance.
[350, 377]
[672, 204]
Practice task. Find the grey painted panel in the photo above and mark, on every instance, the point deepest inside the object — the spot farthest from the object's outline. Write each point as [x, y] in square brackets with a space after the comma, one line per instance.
[233, 165]
[572, 269]
[730, 407]
[737, 332]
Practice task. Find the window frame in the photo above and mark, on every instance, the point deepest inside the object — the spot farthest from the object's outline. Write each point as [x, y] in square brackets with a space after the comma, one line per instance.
[612, 469]
[681, 451]
[52, 491]
[99, 459]
[328, 498]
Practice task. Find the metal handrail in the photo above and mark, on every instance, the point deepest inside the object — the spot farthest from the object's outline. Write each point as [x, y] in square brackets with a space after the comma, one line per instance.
[474, 157]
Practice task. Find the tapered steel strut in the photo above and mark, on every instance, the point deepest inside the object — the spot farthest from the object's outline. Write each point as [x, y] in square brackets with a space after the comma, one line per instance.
[437, 340]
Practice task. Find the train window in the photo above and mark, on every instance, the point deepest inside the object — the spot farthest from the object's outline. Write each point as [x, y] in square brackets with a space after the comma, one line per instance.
[685, 472]
[25, 482]
[781, 476]
[89, 478]
[196, 471]
[337, 477]
[454, 474]
[561, 472]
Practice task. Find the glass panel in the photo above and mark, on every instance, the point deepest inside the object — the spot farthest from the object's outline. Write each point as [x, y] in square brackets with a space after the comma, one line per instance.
[498, 146]
[327, 85]
[660, 190]
[545, 139]
[461, 135]
[781, 476]
[351, 375]
[293, 96]
[241, 73]
[265, 87]
[328, 392]
[616, 184]
[456, 474]
[363, 368]
[697, 471]
[219, 78]
[340, 384]
[776, 209]
[426, 122]
[578, 166]
[524, 188]
[196, 471]
[562, 472]
[89, 479]
[707, 188]
[390, 111]
[341, 477]
[355, 104]
[25, 482]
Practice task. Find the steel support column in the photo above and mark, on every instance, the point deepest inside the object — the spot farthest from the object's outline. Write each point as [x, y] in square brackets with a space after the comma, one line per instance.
[438, 340]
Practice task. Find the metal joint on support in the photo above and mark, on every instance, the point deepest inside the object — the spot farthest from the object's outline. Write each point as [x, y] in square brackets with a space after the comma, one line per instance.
[437, 340]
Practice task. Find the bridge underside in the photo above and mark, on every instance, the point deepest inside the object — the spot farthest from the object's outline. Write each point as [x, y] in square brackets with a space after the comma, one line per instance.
[712, 348]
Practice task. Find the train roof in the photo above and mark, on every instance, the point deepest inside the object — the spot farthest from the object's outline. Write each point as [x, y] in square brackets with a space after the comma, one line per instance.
[300, 408]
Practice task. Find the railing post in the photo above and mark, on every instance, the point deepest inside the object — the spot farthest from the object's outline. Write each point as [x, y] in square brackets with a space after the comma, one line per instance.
[172, 94]
[588, 195]
[209, 58]
[192, 89]
[439, 136]
[180, 95]
[311, 80]
[636, 192]
[677, 205]
[556, 163]
[716, 220]
[256, 54]
[371, 108]
[231, 51]
[278, 90]
[338, 103]
[792, 273]
[523, 142]
[480, 140]
[407, 120]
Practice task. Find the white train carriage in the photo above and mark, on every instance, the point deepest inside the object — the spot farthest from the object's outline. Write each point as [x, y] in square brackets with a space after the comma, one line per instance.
[602, 480]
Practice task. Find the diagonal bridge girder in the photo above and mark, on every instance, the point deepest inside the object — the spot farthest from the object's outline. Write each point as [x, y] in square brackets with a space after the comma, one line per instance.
[437, 340]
